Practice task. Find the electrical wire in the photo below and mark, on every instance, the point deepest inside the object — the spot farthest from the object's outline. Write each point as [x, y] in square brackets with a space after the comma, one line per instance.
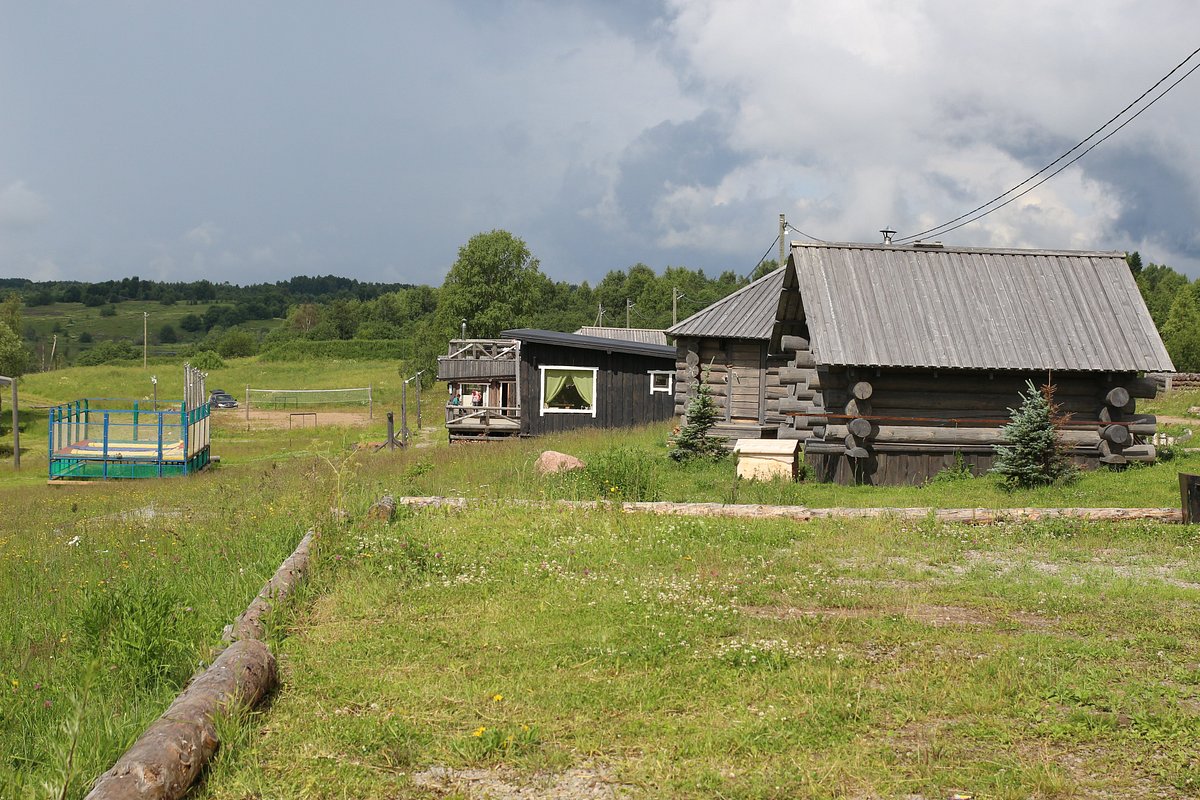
[790, 226]
[945, 226]
[763, 257]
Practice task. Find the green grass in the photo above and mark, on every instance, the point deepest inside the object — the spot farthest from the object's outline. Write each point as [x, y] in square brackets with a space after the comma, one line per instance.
[1171, 404]
[635, 463]
[1051, 660]
[740, 659]
[126, 587]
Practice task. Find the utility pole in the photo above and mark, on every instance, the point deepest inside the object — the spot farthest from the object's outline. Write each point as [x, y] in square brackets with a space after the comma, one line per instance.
[599, 315]
[628, 306]
[145, 339]
[782, 238]
[674, 306]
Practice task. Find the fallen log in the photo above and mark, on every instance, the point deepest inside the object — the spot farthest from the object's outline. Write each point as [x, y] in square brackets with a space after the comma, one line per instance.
[383, 509]
[803, 513]
[169, 756]
[250, 623]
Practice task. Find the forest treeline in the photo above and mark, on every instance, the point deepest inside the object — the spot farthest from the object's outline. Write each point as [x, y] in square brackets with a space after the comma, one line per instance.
[494, 284]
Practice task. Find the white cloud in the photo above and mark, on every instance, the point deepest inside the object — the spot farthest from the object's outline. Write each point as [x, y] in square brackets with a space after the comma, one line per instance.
[203, 235]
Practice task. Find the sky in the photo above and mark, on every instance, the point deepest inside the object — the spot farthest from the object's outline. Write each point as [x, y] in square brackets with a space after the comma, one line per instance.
[250, 142]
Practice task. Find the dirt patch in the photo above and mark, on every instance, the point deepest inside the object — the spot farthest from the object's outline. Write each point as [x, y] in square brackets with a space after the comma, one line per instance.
[266, 419]
[577, 783]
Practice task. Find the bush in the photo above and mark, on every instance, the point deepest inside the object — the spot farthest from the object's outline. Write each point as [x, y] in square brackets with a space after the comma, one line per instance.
[236, 344]
[207, 360]
[1037, 455]
[107, 353]
[108, 311]
[365, 349]
[167, 335]
[85, 338]
[624, 473]
[191, 323]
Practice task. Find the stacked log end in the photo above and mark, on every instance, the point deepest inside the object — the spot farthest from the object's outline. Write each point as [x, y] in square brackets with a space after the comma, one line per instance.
[1121, 430]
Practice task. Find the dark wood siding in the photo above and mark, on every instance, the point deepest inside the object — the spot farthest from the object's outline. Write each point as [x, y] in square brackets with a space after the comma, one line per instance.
[622, 390]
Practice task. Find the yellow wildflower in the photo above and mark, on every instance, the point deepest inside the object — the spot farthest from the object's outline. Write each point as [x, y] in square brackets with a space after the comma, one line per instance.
[496, 698]
[478, 731]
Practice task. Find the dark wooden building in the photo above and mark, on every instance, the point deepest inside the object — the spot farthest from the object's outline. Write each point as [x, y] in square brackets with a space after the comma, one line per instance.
[904, 360]
[533, 382]
[567, 381]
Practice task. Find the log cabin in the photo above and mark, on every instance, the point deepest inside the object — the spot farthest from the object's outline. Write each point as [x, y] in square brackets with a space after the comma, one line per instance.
[533, 382]
[893, 362]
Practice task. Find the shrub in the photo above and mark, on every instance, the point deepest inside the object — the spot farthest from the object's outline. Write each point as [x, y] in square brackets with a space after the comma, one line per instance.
[191, 323]
[85, 338]
[692, 441]
[1037, 455]
[207, 360]
[236, 344]
[108, 311]
[623, 473]
[167, 335]
[107, 353]
[366, 349]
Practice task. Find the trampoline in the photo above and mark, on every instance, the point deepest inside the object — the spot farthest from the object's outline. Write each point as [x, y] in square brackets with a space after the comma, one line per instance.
[100, 438]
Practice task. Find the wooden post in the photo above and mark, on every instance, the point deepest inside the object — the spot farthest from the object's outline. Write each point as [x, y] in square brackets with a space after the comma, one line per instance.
[404, 413]
[370, 403]
[1189, 494]
[391, 431]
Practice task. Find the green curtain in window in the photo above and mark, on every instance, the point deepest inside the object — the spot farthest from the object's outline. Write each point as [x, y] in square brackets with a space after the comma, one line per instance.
[556, 381]
[585, 384]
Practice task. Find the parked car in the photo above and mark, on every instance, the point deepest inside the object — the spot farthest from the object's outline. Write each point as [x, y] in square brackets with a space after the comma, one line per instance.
[222, 399]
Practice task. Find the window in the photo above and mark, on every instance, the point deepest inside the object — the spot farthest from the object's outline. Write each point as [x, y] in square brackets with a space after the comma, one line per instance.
[661, 381]
[569, 390]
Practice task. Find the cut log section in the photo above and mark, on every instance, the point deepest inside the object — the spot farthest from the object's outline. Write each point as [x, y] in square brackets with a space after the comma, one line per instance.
[789, 343]
[1117, 397]
[862, 390]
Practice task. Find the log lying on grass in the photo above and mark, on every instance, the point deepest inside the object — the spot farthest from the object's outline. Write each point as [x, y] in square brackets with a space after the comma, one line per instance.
[979, 516]
[250, 623]
[383, 509]
[168, 757]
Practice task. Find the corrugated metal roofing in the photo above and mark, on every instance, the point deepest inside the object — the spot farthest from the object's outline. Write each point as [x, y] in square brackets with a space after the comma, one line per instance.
[643, 335]
[748, 313]
[886, 305]
[590, 342]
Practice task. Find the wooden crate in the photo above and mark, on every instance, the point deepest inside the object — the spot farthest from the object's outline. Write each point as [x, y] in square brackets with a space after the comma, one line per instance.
[766, 459]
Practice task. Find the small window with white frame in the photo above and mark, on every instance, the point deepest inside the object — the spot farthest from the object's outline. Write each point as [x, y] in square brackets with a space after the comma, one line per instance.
[568, 390]
[661, 381]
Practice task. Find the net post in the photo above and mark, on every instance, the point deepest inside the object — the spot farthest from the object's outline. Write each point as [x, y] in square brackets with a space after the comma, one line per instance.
[370, 403]
[247, 406]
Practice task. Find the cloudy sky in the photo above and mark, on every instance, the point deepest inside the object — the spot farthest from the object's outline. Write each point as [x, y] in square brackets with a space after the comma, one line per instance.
[247, 142]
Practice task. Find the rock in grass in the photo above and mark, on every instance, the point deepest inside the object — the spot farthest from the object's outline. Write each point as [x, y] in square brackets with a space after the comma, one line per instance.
[551, 462]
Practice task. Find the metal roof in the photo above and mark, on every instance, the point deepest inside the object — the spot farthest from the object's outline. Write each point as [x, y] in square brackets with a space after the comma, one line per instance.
[929, 306]
[643, 335]
[748, 313]
[590, 342]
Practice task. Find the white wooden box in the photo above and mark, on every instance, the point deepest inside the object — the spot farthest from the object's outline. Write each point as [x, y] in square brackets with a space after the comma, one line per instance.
[766, 459]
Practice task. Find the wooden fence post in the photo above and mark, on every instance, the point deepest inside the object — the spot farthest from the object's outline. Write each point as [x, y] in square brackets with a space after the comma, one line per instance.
[1189, 495]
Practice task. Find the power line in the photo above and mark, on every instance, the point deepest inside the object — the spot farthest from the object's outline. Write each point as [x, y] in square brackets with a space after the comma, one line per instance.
[802, 233]
[763, 257]
[945, 226]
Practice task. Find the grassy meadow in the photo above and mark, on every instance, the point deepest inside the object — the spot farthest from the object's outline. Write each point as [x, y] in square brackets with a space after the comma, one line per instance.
[492, 650]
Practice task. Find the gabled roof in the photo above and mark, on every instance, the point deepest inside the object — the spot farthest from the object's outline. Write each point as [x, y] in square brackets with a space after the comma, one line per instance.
[590, 342]
[643, 335]
[748, 313]
[929, 306]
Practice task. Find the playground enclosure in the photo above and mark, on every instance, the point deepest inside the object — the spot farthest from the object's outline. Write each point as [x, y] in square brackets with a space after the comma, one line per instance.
[107, 438]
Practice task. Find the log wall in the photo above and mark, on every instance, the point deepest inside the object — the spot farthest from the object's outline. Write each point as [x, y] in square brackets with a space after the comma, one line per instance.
[893, 426]
[744, 382]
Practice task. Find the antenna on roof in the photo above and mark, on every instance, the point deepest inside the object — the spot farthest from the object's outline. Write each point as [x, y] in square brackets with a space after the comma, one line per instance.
[888, 233]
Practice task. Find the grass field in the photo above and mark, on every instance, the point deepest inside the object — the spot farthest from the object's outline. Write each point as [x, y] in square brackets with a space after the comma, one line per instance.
[449, 654]
[71, 320]
[457, 654]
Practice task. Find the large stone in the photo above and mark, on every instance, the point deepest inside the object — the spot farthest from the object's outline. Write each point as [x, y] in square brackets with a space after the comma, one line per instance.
[551, 462]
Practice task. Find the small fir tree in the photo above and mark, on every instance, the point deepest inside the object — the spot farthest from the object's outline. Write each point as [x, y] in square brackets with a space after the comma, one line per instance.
[693, 440]
[1037, 455]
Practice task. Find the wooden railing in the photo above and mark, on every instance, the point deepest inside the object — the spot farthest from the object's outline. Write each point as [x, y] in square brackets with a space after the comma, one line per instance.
[483, 349]
[480, 413]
